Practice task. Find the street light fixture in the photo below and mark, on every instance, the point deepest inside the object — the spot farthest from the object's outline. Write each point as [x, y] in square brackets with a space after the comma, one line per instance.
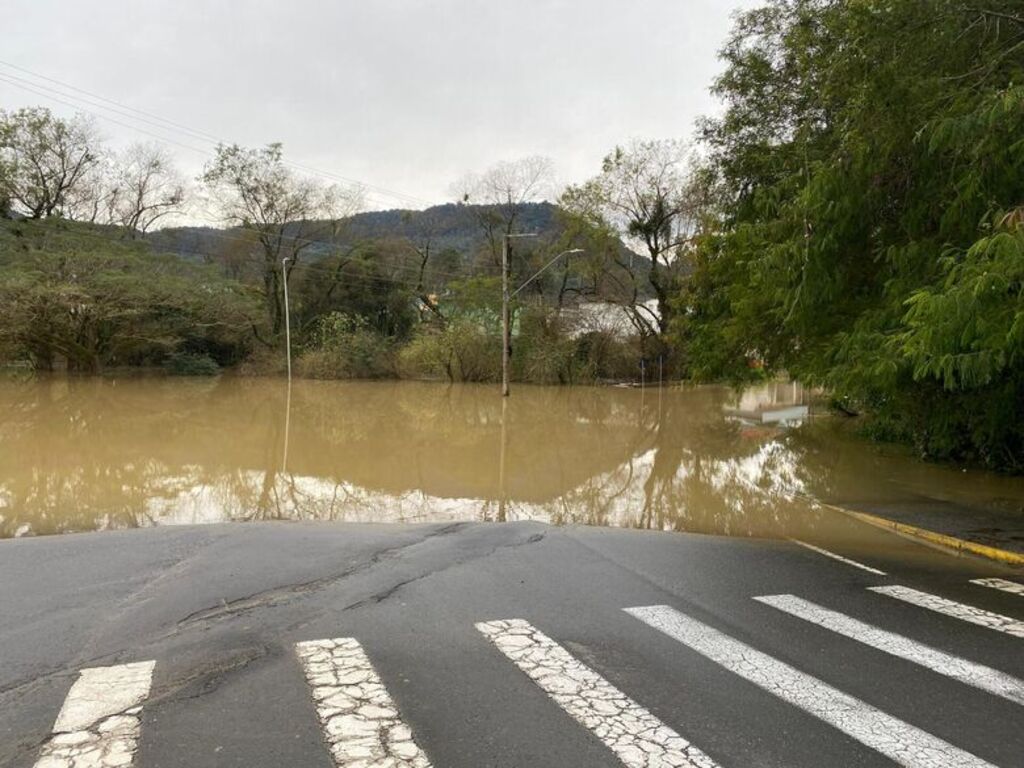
[543, 269]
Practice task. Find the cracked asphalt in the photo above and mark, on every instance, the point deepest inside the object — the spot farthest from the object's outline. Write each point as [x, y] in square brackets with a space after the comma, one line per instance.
[220, 609]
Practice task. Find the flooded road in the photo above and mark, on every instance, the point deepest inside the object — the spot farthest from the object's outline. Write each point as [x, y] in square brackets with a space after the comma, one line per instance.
[93, 454]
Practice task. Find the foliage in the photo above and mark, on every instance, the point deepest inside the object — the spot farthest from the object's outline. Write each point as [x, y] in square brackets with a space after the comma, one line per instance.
[642, 194]
[45, 162]
[866, 229]
[69, 293]
[363, 282]
[346, 346]
[546, 349]
[461, 351]
[257, 191]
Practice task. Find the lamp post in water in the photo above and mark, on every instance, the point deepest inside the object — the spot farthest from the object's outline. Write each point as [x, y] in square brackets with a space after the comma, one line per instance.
[506, 319]
[287, 321]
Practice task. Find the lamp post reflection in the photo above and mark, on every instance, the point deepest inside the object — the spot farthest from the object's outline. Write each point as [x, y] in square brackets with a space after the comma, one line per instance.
[502, 487]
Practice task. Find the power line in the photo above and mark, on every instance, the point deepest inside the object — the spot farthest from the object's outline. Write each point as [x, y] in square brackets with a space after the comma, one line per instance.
[157, 121]
[210, 232]
[4, 77]
[162, 122]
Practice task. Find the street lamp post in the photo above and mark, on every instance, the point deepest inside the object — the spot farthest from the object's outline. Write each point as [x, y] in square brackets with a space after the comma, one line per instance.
[506, 319]
[287, 320]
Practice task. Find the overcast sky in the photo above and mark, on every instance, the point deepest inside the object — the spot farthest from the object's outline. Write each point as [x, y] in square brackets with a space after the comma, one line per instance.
[406, 95]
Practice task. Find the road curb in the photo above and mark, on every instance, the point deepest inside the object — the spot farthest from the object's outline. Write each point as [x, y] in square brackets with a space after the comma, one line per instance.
[942, 540]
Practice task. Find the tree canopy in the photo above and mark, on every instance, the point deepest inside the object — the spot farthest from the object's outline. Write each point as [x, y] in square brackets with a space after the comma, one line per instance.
[866, 232]
[70, 294]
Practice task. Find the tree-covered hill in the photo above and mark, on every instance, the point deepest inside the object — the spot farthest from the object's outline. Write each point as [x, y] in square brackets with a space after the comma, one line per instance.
[450, 227]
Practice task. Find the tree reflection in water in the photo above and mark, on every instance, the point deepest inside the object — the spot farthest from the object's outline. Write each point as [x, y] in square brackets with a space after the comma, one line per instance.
[88, 454]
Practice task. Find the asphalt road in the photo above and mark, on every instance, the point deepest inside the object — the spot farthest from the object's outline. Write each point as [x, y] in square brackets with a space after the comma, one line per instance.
[429, 655]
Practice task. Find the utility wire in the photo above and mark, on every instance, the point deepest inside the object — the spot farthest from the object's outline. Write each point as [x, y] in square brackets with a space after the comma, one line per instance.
[164, 123]
[210, 232]
[4, 78]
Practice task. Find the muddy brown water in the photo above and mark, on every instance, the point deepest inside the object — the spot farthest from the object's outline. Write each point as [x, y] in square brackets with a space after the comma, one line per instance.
[81, 454]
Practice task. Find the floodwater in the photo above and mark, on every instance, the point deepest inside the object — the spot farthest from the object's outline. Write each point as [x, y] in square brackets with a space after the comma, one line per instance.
[81, 454]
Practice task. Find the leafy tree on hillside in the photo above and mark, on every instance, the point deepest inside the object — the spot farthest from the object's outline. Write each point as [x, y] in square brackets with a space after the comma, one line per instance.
[257, 191]
[70, 294]
[46, 160]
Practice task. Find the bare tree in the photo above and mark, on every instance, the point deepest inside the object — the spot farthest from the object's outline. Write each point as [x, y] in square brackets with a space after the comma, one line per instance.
[145, 187]
[288, 214]
[47, 159]
[502, 192]
[643, 193]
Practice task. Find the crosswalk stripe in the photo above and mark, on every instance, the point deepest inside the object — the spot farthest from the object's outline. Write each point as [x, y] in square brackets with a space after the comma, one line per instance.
[99, 723]
[901, 742]
[1006, 586]
[977, 675]
[360, 721]
[840, 558]
[952, 608]
[638, 738]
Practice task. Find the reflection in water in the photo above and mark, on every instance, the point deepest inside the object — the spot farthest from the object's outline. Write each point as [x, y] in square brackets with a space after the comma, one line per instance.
[85, 454]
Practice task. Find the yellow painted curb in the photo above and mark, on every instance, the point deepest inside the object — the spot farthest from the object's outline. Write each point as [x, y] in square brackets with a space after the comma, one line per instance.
[931, 537]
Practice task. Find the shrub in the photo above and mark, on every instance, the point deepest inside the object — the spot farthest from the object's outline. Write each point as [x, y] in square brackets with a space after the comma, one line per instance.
[543, 352]
[343, 346]
[462, 351]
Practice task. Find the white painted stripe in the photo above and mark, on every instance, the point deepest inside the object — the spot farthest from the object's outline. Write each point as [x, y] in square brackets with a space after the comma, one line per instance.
[99, 724]
[840, 558]
[957, 610]
[977, 675]
[901, 742]
[638, 738]
[360, 722]
[1007, 586]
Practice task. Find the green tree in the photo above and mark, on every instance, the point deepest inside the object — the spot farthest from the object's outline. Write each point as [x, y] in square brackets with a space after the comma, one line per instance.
[868, 172]
[289, 214]
[642, 194]
[69, 294]
[367, 282]
[45, 161]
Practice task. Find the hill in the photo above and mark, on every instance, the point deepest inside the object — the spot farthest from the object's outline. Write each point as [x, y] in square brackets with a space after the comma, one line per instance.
[448, 227]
